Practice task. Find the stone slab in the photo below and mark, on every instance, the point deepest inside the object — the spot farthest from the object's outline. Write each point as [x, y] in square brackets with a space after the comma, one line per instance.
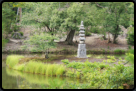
[81, 51]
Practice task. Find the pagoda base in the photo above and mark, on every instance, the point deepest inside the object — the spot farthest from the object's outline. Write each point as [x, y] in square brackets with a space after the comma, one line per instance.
[81, 51]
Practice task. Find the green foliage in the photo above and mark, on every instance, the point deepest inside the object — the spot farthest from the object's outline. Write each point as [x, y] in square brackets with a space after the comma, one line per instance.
[96, 73]
[114, 15]
[15, 27]
[39, 68]
[99, 73]
[129, 47]
[130, 57]
[65, 61]
[131, 51]
[19, 67]
[12, 60]
[118, 51]
[35, 67]
[130, 38]
[87, 33]
[94, 30]
[110, 59]
[60, 70]
[8, 17]
[4, 41]
[40, 42]
[21, 33]
[30, 67]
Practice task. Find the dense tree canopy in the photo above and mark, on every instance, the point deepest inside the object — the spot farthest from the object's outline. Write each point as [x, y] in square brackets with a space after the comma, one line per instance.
[67, 16]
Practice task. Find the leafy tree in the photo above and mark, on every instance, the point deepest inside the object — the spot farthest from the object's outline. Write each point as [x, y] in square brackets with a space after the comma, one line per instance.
[130, 38]
[73, 19]
[40, 43]
[116, 15]
[8, 17]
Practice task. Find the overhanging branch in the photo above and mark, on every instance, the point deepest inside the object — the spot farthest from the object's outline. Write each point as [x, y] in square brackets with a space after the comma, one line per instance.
[99, 5]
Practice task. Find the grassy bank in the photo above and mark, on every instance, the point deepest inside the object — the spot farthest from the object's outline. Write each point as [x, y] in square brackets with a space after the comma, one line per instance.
[35, 67]
[99, 75]
[103, 51]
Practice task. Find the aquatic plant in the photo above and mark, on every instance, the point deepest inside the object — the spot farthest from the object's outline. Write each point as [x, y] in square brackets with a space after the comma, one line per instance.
[43, 69]
[19, 67]
[39, 68]
[30, 66]
[12, 60]
[60, 70]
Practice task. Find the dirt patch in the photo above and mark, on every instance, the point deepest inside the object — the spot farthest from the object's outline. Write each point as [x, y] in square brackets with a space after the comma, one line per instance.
[93, 42]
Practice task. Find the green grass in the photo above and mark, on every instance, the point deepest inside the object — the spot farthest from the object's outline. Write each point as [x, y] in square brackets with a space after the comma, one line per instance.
[43, 70]
[19, 67]
[30, 66]
[39, 68]
[12, 60]
[34, 66]
[119, 51]
[60, 70]
[96, 73]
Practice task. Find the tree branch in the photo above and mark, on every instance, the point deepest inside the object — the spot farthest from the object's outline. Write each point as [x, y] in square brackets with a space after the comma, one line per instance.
[99, 5]
[49, 29]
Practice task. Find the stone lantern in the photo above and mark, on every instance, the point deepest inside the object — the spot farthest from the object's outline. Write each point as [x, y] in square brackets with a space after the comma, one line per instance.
[81, 51]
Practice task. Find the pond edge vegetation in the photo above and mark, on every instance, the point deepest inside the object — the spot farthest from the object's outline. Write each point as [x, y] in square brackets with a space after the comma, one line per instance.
[96, 73]
[66, 51]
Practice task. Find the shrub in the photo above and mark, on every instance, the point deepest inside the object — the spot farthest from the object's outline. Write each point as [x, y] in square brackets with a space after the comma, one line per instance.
[87, 33]
[131, 51]
[94, 30]
[21, 33]
[119, 51]
[65, 61]
[16, 27]
[130, 38]
[130, 57]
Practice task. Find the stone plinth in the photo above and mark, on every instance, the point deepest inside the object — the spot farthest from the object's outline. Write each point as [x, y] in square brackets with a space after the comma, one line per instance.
[81, 51]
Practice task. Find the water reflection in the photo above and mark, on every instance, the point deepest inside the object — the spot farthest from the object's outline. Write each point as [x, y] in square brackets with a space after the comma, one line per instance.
[12, 79]
[37, 81]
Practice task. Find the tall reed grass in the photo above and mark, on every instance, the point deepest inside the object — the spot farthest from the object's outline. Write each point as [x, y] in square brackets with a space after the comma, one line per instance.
[12, 60]
[46, 69]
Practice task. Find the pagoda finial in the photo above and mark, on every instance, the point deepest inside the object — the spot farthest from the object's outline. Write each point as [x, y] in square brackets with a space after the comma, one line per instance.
[81, 22]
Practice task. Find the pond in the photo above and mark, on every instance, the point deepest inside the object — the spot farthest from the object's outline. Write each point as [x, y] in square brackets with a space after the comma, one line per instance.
[12, 79]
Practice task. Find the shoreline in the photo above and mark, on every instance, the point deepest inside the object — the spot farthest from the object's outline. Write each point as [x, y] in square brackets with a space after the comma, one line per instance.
[120, 51]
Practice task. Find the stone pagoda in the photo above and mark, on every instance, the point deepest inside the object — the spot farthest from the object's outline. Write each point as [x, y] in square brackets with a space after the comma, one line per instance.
[81, 51]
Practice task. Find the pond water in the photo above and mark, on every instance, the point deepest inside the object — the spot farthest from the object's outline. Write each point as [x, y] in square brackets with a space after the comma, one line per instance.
[12, 79]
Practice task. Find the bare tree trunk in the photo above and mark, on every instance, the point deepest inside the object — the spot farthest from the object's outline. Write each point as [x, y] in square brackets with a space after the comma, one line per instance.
[17, 13]
[70, 36]
[115, 36]
[20, 14]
